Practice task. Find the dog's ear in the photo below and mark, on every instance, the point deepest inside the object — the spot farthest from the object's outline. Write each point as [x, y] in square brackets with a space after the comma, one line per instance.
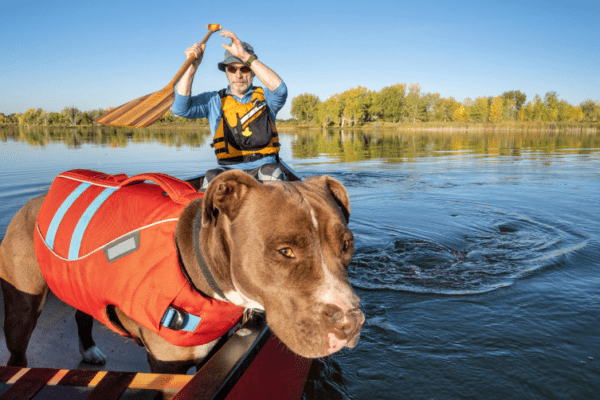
[337, 190]
[226, 194]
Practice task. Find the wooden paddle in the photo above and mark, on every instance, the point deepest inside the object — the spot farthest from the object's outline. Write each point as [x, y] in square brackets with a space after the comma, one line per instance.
[144, 111]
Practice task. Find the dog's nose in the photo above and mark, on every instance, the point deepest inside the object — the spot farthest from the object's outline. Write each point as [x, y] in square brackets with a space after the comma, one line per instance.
[345, 325]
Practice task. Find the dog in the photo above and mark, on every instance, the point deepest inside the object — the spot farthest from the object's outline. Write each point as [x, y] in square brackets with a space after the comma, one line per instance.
[280, 247]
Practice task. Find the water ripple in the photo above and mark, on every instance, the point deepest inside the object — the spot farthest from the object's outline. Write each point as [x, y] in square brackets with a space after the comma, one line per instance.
[490, 258]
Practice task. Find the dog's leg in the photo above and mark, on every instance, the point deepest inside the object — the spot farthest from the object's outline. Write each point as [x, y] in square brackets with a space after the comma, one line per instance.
[168, 367]
[21, 312]
[87, 347]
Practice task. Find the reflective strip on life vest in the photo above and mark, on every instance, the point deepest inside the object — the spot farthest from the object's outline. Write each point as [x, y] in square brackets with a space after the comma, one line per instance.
[84, 221]
[259, 106]
[62, 210]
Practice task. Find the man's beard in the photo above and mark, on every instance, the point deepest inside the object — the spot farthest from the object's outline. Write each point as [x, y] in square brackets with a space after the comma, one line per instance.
[241, 87]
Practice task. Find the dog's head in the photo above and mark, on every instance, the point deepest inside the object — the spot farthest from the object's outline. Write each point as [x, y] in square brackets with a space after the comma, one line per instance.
[285, 247]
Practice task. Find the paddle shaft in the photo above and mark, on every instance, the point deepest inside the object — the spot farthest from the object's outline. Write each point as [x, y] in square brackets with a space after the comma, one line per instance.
[144, 111]
[188, 62]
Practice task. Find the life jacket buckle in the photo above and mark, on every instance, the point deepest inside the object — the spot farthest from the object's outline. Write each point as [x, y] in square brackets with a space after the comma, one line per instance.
[176, 322]
[180, 320]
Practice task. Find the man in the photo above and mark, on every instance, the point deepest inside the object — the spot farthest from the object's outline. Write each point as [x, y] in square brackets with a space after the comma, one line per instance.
[242, 116]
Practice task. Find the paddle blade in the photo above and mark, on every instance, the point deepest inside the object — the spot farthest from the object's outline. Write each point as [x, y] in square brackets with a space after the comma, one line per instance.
[141, 112]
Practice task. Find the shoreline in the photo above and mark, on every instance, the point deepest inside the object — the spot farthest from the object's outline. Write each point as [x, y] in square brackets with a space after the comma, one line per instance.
[374, 127]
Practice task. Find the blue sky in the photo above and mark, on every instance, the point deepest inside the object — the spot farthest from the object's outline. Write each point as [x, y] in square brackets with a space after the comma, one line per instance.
[98, 54]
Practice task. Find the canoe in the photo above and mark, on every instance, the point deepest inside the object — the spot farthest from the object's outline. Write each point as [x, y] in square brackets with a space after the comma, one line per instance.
[251, 364]
[290, 175]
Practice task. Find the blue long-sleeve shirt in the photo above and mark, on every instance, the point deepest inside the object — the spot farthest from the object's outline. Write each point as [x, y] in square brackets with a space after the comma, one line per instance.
[208, 105]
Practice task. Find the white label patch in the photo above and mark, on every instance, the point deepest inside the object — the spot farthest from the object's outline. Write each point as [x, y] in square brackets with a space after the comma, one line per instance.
[122, 247]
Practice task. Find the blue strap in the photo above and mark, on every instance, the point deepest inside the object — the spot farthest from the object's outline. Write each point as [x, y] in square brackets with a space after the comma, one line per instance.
[60, 213]
[85, 219]
[180, 320]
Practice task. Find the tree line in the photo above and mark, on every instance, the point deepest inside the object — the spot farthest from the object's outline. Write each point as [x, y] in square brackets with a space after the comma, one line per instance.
[398, 103]
[406, 103]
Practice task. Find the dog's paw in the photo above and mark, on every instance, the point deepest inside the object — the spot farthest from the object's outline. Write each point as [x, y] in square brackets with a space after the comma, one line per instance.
[93, 355]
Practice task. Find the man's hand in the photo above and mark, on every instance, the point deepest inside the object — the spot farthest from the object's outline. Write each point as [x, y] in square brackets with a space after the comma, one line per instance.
[198, 51]
[236, 49]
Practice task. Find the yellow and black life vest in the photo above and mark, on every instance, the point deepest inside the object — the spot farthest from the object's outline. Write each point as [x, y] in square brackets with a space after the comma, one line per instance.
[245, 132]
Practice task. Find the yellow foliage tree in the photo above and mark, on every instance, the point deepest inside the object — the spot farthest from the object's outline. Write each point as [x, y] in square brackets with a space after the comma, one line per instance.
[460, 113]
[521, 116]
[479, 111]
[496, 109]
[330, 110]
[576, 114]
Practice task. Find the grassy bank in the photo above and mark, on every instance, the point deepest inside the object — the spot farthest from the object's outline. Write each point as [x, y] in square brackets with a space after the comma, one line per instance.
[462, 127]
[508, 126]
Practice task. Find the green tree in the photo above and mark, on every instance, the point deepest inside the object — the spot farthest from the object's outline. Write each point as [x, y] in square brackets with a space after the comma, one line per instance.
[304, 107]
[518, 100]
[356, 104]
[446, 109]
[55, 118]
[71, 114]
[413, 103]
[591, 110]
[538, 109]
[99, 112]
[509, 109]
[430, 103]
[30, 117]
[330, 111]
[388, 103]
[551, 109]
[86, 118]
[521, 115]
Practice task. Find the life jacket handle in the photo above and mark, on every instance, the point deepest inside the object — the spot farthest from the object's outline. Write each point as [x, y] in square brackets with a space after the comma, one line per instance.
[179, 191]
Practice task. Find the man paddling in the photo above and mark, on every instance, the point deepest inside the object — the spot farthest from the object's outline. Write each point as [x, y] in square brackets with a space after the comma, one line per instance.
[241, 116]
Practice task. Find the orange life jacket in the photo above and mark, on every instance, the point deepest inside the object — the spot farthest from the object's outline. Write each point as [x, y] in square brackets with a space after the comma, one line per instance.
[245, 130]
[105, 240]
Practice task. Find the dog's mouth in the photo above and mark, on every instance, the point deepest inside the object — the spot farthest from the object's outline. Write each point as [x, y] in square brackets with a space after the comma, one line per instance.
[312, 337]
[346, 333]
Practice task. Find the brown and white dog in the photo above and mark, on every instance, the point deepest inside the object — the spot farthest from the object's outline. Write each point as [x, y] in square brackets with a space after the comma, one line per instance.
[282, 247]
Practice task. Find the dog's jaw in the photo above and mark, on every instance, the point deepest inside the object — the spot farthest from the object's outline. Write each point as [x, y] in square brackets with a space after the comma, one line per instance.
[237, 298]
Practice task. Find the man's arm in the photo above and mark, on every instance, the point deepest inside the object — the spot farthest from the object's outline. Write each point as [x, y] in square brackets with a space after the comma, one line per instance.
[184, 87]
[269, 78]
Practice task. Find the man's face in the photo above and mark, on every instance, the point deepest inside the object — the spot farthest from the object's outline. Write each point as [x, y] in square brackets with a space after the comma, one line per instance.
[239, 77]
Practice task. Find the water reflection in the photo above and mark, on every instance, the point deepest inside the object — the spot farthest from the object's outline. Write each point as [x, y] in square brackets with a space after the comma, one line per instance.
[105, 136]
[394, 146]
[339, 145]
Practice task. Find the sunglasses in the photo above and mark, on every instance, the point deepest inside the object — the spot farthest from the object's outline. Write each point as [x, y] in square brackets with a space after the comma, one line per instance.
[232, 70]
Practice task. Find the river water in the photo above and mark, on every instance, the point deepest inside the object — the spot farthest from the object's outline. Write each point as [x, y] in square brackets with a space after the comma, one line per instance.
[477, 254]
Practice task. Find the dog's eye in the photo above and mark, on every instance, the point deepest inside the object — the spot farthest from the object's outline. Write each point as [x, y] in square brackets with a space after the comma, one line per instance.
[346, 245]
[287, 252]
